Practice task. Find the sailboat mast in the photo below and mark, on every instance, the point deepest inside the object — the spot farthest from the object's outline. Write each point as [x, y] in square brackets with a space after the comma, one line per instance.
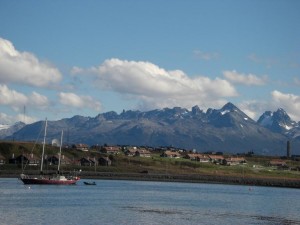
[59, 157]
[44, 143]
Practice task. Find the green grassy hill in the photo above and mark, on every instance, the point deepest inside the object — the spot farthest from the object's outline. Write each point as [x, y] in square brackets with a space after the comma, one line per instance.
[256, 166]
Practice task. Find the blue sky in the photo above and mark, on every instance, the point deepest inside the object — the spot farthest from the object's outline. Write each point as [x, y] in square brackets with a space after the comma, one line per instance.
[66, 58]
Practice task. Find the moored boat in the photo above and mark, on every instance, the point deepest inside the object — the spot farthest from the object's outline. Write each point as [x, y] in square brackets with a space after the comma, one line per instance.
[89, 183]
[56, 179]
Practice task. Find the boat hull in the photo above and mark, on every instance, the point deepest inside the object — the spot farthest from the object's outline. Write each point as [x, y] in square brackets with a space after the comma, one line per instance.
[89, 183]
[45, 181]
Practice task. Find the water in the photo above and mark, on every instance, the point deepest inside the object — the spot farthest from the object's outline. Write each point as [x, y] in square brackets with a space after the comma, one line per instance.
[138, 202]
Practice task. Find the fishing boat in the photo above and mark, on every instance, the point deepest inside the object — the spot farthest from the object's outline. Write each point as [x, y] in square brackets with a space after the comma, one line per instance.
[57, 178]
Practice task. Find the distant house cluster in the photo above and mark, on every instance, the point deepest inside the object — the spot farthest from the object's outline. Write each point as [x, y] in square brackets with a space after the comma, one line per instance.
[137, 152]
[33, 160]
[205, 158]
[105, 156]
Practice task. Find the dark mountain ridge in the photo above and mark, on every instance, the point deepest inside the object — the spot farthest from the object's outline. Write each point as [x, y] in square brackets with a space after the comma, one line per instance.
[227, 129]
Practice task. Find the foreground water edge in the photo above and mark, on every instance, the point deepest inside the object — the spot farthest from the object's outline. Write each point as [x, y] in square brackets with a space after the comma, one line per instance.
[151, 202]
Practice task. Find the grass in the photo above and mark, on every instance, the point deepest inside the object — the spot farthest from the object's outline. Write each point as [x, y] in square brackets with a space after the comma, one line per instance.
[256, 166]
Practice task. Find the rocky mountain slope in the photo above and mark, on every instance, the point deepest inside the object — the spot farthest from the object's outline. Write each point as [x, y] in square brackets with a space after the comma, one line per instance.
[6, 130]
[227, 129]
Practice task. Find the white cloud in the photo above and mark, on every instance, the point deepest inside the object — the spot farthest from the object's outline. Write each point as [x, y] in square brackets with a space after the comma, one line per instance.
[9, 119]
[11, 97]
[25, 68]
[39, 100]
[6, 119]
[289, 102]
[79, 101]
[17, 100]
[244, 79]
[155, 87]
[25, 119]
[76, 70]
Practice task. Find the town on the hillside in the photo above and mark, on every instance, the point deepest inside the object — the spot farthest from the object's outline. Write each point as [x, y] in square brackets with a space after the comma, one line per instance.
[104, 156]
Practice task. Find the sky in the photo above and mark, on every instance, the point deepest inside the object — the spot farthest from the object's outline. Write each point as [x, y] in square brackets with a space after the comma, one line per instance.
[61, 58]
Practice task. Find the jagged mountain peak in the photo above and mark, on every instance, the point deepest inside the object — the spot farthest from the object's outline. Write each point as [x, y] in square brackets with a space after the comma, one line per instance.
[196, 111]
[281, 110]
[266, 119]
[281, 114]
[229, 106]
[130, 114]
[168, 113]
[109, 115]
[228, 116]
[278, 121]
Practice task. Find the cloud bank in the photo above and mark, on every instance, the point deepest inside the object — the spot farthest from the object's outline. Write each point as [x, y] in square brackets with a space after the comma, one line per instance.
[244, 79]
[25, 68]
[79, 101]
[155, 87]
[17, 100]
[142, 82]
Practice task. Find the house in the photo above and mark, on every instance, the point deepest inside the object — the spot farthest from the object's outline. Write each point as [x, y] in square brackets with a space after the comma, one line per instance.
[53, 160]
[171, 154]
[81, 147]
[130, 152]
[202, 158]
[234, 161]
[93, 161]
[113, 150]
[191, 156]
[278, 163]
[87, 161]
[218, 159]
[104, 161]
[29, 159]
[142, 153]
[2, 160]
[197, 157]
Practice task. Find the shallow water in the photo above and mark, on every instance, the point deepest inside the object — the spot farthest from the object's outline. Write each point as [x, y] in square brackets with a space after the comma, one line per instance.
[144, 202]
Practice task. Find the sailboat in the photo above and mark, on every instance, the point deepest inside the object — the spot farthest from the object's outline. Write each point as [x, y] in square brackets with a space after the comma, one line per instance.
[57, 178]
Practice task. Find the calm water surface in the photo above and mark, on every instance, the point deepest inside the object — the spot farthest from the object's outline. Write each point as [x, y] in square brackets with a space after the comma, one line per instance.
[138, 202]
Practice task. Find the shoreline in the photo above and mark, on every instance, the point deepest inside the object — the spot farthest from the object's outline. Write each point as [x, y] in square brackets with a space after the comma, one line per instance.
[195, 178]
[187, 178]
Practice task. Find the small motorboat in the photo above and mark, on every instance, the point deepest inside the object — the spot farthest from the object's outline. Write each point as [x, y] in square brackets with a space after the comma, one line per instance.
[89, 183]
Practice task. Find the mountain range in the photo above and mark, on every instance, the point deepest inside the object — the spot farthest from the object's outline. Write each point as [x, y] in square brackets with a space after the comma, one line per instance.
[227, 130]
